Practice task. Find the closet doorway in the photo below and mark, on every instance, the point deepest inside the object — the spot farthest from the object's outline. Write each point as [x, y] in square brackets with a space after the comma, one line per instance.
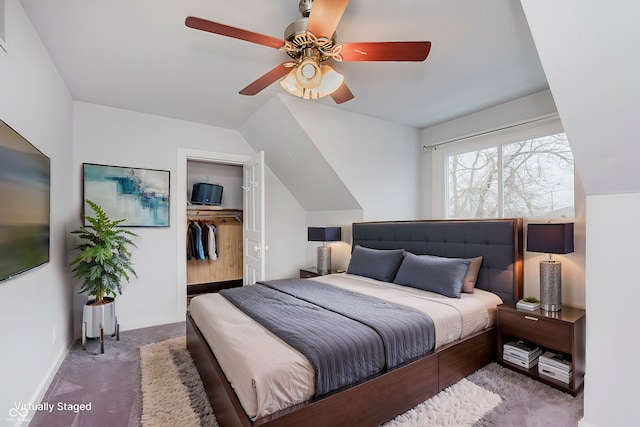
[214, 227]
[252, 208]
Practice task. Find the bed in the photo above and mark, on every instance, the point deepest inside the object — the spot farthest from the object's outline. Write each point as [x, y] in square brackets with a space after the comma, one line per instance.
[393, 391]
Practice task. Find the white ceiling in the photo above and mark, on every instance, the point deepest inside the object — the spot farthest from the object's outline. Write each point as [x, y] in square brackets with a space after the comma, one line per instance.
[139, 55]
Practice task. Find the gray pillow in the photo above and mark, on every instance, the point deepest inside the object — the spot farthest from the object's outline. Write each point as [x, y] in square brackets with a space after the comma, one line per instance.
[471, 278]
[435, 274]
[379, 264]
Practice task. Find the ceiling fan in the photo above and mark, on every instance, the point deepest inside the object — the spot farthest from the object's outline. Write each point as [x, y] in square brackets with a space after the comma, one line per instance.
[310, 42]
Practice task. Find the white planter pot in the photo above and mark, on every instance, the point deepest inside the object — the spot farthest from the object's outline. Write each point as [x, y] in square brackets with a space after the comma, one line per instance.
[94, 315]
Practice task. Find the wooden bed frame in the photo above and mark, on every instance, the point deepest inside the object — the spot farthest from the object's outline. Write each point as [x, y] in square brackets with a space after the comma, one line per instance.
[381, 398]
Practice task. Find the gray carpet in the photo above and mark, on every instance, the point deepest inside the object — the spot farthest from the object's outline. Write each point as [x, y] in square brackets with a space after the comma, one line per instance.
[525, 401]
[111, 382]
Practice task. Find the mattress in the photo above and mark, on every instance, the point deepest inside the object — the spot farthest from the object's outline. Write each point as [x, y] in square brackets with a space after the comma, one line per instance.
[268, 375]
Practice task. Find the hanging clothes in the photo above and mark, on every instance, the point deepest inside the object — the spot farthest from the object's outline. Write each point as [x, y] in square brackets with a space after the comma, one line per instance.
[199, 248]
[211, 242]
[205, 238]
[192, 248]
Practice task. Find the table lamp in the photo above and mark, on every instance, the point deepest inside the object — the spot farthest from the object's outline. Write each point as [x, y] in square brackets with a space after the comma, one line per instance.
[324, 234]
[552, 239]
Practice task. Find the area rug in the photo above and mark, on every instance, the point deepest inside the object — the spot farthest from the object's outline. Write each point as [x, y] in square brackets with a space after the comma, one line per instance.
[463, 404]
[172, 394]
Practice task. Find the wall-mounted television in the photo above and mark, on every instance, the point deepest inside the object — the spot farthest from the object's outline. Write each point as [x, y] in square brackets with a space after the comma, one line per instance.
[25, 177]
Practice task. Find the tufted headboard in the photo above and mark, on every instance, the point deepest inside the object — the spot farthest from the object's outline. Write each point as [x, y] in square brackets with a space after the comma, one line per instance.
[499, 241]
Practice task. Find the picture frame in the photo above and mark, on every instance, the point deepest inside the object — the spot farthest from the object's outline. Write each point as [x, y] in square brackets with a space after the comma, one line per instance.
[139, 196]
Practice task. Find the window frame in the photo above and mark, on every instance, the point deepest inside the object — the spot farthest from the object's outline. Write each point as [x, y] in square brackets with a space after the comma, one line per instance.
[535, 128]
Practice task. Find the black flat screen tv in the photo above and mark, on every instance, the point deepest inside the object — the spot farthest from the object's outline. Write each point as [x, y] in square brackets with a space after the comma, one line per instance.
[25, 177]
[206, 194]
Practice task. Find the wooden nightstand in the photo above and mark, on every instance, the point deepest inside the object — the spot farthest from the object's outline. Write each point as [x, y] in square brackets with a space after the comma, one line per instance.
[560, 331]
[305, 273]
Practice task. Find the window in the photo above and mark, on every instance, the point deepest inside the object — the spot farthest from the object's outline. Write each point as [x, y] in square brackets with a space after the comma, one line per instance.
[504, 175]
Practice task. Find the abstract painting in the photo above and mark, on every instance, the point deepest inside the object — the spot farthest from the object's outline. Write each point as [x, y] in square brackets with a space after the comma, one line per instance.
[139, 196]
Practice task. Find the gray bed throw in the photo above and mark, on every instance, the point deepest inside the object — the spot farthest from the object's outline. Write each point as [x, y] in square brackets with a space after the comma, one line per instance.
[347, 337]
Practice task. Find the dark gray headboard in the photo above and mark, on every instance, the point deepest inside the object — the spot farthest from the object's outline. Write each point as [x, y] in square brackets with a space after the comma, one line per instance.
[499, 242]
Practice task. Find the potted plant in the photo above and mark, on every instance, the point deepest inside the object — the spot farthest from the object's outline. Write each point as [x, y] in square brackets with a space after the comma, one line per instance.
[103, 262]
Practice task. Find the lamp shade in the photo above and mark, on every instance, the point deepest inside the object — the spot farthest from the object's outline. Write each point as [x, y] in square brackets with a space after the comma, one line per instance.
[324, 234]
[550, 238]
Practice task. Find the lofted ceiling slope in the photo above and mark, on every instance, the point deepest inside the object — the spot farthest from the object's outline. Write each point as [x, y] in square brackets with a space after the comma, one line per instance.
[295, 159]
[138, 55]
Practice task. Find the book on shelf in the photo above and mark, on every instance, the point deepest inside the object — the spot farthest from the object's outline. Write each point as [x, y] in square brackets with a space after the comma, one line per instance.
[546, 371]
[522, 349]
[524, 305]
[519, 362]
[522, 356]
[559, 361]
[547, 367]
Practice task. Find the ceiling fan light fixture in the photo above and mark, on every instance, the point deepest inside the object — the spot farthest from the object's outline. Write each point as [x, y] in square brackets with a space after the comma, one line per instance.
[308, 74]
[290, 84]
[331, 81]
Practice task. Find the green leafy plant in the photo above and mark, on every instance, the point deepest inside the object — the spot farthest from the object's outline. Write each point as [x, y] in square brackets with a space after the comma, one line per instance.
[103, 259]
[531, 299]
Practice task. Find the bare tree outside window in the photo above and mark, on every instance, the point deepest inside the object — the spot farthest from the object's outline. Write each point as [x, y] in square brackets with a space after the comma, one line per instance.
[537, 180]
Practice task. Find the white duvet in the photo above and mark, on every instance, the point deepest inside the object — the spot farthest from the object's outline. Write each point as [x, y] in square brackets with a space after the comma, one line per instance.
[268, 375]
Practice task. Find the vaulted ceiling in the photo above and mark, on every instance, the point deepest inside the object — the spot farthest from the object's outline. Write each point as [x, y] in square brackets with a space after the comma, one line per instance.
[139, 55]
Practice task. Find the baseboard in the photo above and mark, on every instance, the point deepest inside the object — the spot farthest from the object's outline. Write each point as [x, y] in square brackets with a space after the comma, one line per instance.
[582, 423]
[45, 383]
[145, 323]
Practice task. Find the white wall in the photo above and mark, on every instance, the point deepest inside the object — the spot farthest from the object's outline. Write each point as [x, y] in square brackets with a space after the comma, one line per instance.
[124, 138]
[355, 169]
[286, 232]
[294, 157]
[35, 102]
[598, 98]
[378, 161]
[611, 393]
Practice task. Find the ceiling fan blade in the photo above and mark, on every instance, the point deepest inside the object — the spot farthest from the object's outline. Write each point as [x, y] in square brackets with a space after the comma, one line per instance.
[385, 51]
[236, 33]
[343, 94]
[267, 79]
[325, 15]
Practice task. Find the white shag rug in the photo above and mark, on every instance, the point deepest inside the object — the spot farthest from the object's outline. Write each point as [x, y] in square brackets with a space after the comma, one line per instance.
[173, 395]
[462, 404]
[172, 392]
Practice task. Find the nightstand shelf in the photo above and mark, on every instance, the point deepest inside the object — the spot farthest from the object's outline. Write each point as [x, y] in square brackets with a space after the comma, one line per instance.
[561, 332]
[308, 272]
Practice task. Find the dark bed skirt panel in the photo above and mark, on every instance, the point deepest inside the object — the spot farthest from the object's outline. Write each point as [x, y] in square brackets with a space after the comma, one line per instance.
[368, 404]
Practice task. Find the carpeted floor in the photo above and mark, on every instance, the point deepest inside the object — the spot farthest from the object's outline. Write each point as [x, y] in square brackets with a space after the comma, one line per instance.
[112, 383]
[109, 381]
[526, 402]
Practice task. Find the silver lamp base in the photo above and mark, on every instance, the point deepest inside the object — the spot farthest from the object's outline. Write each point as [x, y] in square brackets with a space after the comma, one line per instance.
[550, 285]
[324, 260]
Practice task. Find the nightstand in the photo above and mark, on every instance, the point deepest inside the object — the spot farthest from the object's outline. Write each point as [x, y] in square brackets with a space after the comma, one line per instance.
[558, 331]
[305, 273]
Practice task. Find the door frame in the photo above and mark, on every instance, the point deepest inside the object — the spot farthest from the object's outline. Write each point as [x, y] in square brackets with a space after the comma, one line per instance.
[184, 155]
